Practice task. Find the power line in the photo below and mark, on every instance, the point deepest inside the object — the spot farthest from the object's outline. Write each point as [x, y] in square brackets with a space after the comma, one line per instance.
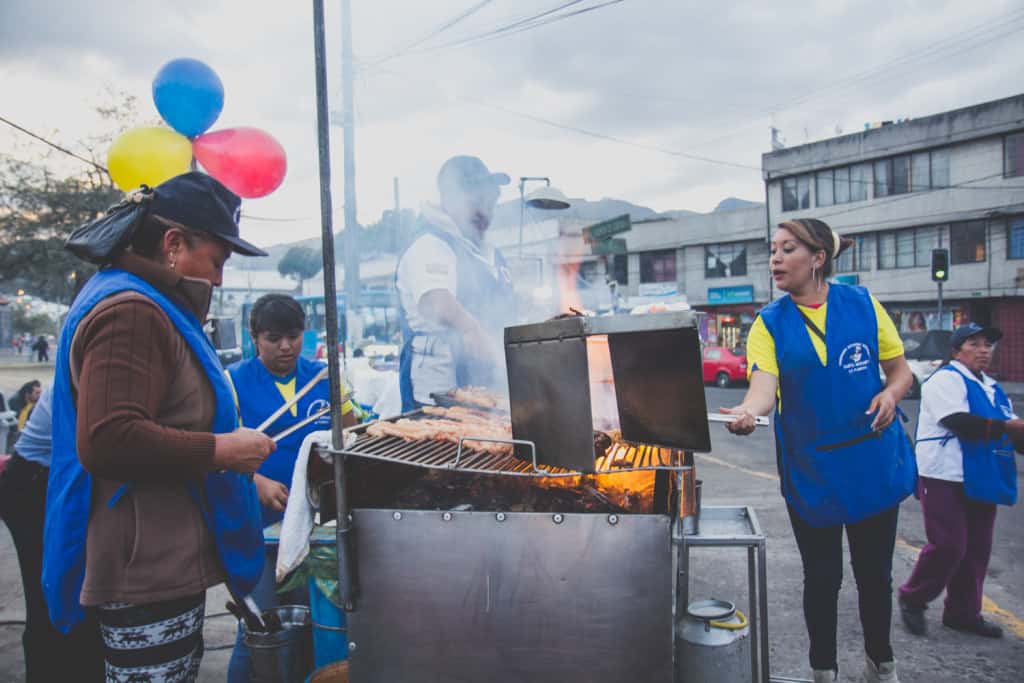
[444, 26]
[51, 144]
[589, 133]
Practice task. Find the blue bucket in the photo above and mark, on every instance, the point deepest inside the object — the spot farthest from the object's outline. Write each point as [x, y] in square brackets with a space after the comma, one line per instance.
[330, 635]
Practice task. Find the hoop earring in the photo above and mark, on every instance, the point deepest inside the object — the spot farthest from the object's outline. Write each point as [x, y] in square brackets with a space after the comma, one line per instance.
[814, 276]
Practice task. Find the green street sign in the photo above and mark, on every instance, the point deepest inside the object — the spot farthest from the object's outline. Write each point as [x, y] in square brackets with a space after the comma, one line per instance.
[605, 229]
[609, 246]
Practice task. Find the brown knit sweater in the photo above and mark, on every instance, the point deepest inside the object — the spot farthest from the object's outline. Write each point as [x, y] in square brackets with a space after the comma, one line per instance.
[145, 408]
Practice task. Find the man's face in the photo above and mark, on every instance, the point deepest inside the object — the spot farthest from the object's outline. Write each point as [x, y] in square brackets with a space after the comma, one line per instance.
[472, 208]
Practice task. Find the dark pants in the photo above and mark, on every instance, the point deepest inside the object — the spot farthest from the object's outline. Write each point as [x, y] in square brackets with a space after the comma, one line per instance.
[871, 547]
[49, 655]
[956, 558]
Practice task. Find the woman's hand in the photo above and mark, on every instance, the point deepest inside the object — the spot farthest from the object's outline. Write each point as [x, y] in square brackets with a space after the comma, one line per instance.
[885, 405]
[744, 423]
[272, 494]
[242, 450]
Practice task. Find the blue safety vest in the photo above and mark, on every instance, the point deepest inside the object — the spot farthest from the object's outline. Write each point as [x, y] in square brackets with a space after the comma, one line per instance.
[486, 295]
[228, 499]
[258, 397]
[834, 468]
[990, 468]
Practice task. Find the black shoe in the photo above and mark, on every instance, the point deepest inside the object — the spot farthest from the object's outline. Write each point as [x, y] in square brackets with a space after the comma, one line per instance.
[913, 618]
[980, 627]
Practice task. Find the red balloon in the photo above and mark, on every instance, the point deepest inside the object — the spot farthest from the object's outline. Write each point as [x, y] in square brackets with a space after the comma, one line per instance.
[250, 162]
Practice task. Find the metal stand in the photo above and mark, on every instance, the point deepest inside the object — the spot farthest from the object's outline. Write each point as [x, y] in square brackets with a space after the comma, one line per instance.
[732, 527]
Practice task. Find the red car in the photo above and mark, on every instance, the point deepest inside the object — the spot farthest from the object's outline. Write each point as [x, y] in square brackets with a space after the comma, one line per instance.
[724, 366]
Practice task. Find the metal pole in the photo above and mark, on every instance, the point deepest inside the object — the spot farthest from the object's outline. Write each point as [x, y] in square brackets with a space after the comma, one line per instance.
[768, 239]
[398, 220]
[522, 214]
[331, 301]
[348, 113]
[940, 305]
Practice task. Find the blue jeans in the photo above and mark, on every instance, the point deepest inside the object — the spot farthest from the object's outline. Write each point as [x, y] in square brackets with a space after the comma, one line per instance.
[266, 596]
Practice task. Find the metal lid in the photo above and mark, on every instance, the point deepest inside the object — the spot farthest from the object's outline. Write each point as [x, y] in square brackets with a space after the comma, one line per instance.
[711, 610]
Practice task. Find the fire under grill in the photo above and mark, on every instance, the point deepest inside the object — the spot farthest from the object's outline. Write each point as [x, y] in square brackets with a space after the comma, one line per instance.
[461, 457]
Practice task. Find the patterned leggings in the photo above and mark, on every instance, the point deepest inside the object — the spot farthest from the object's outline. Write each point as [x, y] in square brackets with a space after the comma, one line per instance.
[159, 642]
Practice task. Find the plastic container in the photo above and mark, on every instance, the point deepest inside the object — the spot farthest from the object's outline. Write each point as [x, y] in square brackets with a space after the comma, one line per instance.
[330, 635]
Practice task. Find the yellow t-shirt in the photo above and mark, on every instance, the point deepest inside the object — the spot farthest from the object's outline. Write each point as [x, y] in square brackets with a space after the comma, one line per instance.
[761, 345]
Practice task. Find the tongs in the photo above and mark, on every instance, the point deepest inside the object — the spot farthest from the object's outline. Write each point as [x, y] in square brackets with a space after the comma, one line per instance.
[320, 376]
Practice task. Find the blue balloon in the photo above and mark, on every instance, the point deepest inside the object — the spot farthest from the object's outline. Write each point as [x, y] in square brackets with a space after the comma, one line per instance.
[189, 96]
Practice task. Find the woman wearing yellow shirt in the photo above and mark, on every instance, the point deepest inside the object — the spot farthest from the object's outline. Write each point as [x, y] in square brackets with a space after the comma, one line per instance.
[843, 460]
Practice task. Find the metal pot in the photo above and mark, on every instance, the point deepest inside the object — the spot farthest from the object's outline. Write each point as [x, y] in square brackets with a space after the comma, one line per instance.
[713, 644]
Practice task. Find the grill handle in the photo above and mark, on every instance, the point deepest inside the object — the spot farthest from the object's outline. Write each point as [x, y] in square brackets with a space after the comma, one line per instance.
[532, 446]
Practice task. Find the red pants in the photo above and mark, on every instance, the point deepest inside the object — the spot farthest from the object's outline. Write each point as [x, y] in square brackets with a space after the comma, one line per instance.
[959, 546]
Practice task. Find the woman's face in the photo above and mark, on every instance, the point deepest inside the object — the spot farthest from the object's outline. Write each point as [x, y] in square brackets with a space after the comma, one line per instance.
[34, 395]
[279, 351]
[792, 263]
[204, 261]
[976, 353]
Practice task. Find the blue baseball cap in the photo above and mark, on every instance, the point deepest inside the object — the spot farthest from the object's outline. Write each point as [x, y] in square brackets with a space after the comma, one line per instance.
[964, 332]
[200, 202]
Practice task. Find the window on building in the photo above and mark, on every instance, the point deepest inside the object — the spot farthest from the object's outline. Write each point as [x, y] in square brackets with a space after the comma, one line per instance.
[860, 176]
[725, 260]
[823, 188]
[905, 248]
[967, 242]
[886, 250]
[796, 193]
[590, 272]
[883, 172]
[658, 266]
[620, 269]
[842, 185]
[1015, 238]
[925, 239]
[920, 172]
[940, 169]
[1013, 147]
[900, 181]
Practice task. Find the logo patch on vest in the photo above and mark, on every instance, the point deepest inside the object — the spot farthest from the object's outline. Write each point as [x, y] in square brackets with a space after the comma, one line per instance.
[856, 357]
[317, 406]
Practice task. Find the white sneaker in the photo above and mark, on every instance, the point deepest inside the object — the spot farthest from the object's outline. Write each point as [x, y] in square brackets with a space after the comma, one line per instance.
[883, 673]
[825, 676]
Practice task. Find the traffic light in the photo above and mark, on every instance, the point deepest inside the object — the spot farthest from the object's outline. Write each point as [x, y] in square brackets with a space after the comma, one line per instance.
[940, 265]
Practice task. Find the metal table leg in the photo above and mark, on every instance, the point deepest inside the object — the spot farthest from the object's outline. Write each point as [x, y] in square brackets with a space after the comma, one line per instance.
[762, 570]
[752, 615]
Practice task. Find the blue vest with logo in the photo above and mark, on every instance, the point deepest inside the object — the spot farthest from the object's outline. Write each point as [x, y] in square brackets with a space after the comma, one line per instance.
[231, 507]
[484, 293]
[258, 397]
[834, 468]
[990, 467]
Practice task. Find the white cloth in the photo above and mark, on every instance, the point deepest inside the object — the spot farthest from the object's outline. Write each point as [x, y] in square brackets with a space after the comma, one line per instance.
[297, 525]
[941, 396]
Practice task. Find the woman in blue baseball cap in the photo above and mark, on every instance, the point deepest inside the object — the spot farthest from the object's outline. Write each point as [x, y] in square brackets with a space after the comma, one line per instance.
[150, 499]
[966, 436]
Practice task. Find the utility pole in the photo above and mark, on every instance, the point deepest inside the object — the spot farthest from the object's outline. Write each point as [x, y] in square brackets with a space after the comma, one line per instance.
[351, 237]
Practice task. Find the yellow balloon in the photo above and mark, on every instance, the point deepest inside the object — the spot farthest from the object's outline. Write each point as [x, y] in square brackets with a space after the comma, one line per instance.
[149, 155]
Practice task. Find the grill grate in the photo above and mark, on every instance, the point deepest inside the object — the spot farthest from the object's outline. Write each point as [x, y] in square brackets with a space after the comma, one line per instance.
[621, 457]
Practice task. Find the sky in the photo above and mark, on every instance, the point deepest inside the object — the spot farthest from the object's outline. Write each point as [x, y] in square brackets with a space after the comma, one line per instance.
[613, 102]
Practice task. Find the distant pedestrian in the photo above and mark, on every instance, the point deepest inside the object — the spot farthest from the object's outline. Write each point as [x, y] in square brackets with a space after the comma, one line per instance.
[966, 436]
[42, 348]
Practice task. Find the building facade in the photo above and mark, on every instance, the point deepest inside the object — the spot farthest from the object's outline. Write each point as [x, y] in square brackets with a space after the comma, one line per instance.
[953, 180]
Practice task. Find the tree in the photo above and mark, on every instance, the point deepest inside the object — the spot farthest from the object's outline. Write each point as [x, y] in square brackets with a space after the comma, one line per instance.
[300, 264]
[39, 208]
[33, 323]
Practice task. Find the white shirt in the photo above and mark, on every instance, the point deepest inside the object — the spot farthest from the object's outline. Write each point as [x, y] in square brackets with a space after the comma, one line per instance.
[429, 264]
[941, 396]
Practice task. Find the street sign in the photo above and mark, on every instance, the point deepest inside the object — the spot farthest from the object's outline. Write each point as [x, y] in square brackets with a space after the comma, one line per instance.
[605, 229]
[609, 246]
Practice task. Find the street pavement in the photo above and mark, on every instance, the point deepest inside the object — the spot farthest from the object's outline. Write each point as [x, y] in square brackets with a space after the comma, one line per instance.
[741, 471]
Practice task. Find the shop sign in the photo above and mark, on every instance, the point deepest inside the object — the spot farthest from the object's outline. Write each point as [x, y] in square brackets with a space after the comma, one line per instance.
[605, 229]
[740, 294]
[610, 246]
[850, 279]
[659, 289]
